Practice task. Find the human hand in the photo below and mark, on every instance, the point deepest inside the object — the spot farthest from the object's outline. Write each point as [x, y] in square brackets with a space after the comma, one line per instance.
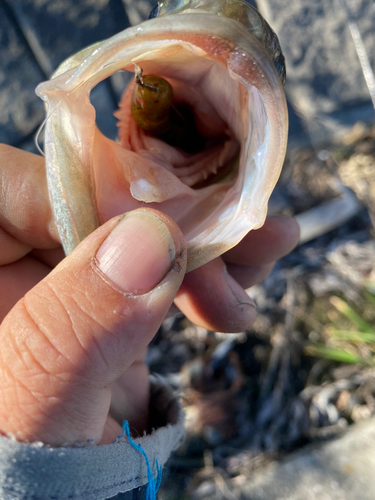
[72, 348]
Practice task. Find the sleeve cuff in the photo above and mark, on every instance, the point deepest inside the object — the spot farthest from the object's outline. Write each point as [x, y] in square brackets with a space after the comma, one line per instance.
[40, 472]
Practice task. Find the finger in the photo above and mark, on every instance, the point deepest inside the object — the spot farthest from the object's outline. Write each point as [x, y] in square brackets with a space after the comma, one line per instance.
[130, 398]
[126, 398]
[211, 298]
[17, 279]
[11, 249]
[25, 213]
[80, 329]
[49, 257]
[276, 238]
[248, 276]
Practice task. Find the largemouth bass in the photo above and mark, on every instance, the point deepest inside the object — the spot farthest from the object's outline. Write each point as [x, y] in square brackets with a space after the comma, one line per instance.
[225, 67]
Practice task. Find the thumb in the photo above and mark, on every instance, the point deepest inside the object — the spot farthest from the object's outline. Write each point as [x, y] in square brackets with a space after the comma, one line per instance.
[83, 326]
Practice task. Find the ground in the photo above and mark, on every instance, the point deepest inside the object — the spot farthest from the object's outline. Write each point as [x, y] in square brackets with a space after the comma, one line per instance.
[253, 398]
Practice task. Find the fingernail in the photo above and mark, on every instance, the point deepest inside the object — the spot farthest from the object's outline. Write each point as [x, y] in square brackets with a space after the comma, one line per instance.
[138, 253]
[239, 293]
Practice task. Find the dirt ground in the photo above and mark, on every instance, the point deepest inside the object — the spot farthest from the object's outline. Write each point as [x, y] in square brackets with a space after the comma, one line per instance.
[252, 397]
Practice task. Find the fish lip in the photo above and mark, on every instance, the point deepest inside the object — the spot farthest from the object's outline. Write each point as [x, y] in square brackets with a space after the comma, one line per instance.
[239, 10]
[79, 76]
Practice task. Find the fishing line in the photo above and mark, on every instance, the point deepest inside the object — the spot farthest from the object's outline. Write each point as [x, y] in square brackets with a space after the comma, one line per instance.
[36, 140]
[42, 125]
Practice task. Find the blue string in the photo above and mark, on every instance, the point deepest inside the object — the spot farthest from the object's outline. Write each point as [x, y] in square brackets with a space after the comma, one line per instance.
[153, 484]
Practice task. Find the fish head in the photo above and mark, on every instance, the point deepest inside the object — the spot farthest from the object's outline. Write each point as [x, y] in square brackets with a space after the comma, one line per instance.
[227, 81]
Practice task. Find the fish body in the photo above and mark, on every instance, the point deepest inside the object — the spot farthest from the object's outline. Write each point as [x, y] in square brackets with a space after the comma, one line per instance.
[224, 64]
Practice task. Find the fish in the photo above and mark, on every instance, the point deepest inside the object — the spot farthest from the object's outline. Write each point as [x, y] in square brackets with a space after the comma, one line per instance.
[226, 68]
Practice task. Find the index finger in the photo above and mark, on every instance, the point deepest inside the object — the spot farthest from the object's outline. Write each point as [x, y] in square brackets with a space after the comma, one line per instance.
[276, 238]
[26, 219]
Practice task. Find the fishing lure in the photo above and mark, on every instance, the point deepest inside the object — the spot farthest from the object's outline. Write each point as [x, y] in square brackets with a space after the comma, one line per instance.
[151, 103]
[153, 110]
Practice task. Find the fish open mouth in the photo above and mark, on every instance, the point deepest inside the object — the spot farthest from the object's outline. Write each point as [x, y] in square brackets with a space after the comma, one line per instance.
[214, 179]
[197, 181]
[200, 147]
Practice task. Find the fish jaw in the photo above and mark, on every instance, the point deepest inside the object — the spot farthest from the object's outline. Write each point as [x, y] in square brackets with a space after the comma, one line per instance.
[91, 178]
[238, 10]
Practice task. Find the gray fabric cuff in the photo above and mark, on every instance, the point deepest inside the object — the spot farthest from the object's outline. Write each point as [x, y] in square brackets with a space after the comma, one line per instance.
[39, 472]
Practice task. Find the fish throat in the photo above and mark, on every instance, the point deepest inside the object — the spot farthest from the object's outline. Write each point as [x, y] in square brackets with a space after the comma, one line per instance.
[171, 118]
